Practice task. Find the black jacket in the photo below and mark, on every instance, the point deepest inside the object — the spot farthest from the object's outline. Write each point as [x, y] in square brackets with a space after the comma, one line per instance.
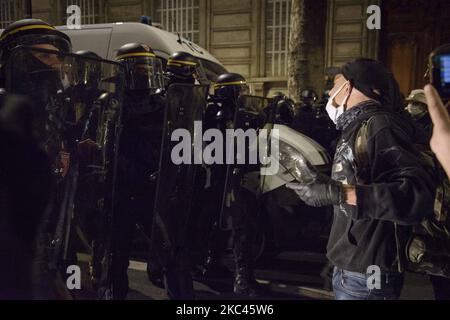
[25, 184]
[395, 191]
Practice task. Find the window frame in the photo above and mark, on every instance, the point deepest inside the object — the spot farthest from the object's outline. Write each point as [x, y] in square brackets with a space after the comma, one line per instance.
[272, 66]
[184, 20]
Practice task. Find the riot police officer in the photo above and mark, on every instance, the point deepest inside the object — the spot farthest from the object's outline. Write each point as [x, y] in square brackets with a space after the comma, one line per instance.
[84, 92]
[281, 110]
[46, 76]
[37, 75]
[142, 120]
[308, 97]
[171, 240]
[34, 33]
[183, 67]
[223, 113]
[305, 118]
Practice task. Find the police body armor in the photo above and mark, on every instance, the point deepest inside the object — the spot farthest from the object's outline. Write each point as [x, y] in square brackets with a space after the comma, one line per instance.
[232, 199]
[65, 117]
[184, 109]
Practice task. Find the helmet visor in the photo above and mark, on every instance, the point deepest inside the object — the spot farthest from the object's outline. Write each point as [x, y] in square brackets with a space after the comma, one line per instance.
[35, 40]
[43, 74]
[143, 73]
[232, 89]
[85, 73]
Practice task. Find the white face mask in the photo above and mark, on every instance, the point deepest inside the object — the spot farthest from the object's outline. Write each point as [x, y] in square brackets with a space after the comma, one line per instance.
[65, 82]
[335, 112]
[416, 110]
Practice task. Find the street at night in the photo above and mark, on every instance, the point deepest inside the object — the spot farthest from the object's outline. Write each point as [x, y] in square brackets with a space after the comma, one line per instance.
[239, 158]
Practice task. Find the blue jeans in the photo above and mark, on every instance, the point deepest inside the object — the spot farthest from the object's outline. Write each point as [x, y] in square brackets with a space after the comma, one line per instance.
[348, 285]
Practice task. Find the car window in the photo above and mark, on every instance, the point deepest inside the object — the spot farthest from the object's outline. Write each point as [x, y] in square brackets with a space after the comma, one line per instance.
[212, 70]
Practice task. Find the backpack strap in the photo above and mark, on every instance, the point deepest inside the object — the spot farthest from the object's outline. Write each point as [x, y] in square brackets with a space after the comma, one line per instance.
[361, 153]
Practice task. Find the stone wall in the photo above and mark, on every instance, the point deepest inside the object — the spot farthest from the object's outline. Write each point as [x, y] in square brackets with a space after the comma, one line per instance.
[347, 34]
[232, 30]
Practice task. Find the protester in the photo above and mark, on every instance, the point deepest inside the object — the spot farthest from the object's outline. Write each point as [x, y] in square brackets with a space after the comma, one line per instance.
[380, 185]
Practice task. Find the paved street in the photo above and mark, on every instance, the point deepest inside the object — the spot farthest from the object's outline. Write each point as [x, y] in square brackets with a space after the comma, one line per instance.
[296, 278]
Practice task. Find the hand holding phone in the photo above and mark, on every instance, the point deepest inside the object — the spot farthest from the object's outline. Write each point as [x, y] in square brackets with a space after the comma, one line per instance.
[440, 140]
[439, 64]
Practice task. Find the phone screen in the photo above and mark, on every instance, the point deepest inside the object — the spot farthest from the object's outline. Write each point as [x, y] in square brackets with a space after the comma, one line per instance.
[445, 69]
[441, 74]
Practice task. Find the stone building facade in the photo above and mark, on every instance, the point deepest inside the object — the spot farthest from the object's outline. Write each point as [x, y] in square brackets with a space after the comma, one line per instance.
[251, 37]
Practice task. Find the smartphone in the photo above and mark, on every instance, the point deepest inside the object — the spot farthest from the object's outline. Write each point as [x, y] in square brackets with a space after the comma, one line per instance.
[439, 64]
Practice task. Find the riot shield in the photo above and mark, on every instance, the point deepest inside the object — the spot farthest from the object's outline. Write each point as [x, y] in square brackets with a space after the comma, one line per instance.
[77, 108]
[185, 105]
[249, 117]
[240, 202]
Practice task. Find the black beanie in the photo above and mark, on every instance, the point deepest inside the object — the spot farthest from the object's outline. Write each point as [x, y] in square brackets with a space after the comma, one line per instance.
[374, 80]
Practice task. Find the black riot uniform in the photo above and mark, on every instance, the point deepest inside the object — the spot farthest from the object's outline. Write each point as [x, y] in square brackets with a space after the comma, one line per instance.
[223, 113]
[312, 120]
[84, 93]
[140, 140]
[281, 110]
[171, 240]
[33, 155]
[24, 192]
[304, 119]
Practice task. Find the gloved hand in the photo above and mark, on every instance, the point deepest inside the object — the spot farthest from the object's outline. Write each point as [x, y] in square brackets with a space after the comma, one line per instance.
[322, 191]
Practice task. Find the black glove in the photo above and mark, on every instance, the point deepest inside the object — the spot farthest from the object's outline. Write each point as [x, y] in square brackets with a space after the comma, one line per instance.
[322, 191]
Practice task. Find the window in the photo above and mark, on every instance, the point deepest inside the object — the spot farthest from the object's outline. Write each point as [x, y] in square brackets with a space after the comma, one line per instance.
[179, 16]
[89, 10]
[9, 12]
[277, 37]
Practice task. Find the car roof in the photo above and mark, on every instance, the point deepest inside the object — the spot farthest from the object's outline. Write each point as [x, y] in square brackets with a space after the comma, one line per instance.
[159, 40]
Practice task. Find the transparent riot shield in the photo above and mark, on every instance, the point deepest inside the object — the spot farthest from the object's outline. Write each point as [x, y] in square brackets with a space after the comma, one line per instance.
[77, 110]
[249, 118]
[240, 205]
[180, 160]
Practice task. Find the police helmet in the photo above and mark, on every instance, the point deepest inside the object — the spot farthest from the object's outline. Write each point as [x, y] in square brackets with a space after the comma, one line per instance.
[230, 85]
[285, 111]
[143, 70]
[308, 96]
[184, 67]
[35, 33]
[88, 71]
